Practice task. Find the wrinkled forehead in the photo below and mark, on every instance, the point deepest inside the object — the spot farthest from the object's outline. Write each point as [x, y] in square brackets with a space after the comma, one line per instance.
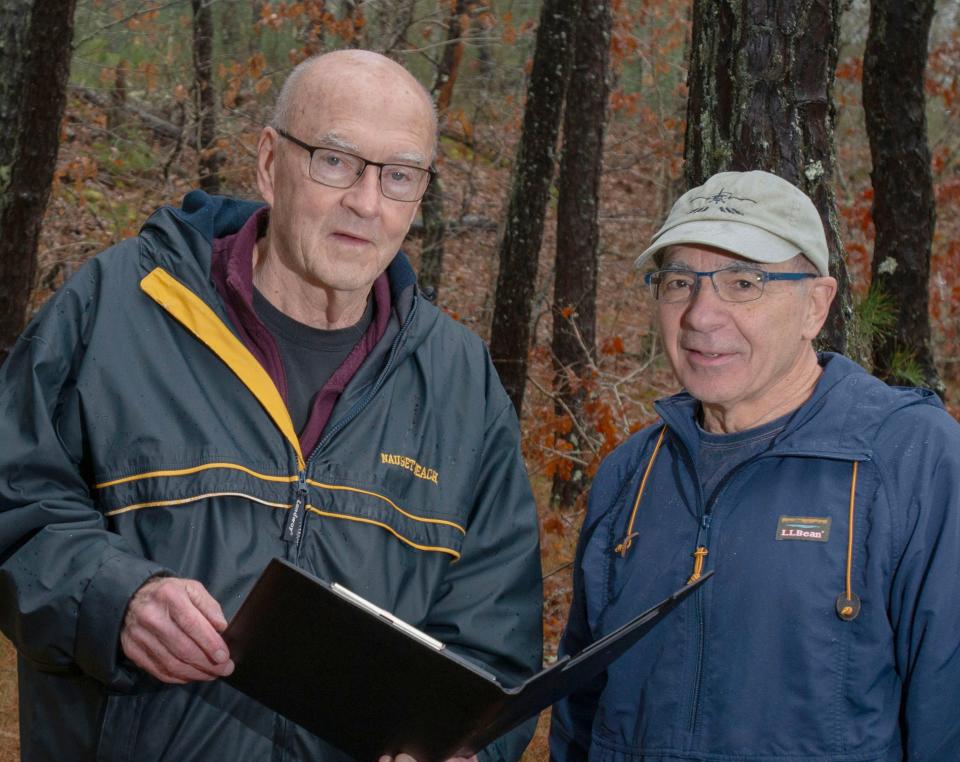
[366, 109]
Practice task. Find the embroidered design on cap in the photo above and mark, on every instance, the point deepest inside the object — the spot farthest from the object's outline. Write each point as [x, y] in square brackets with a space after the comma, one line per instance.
[807, 528]
[721, 201]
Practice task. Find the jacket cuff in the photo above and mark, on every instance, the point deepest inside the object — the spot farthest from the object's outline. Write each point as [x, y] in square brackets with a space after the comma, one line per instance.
[100, 619]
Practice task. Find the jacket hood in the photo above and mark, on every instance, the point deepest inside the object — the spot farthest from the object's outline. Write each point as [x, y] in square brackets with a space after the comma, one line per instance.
[840, 419]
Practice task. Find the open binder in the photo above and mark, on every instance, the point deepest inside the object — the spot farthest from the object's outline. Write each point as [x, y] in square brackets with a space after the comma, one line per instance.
[370, 684]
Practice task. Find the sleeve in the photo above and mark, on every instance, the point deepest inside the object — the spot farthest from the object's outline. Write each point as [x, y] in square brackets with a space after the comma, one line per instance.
[490, 607]
[925, 590]
[65, 580]
[571, 721]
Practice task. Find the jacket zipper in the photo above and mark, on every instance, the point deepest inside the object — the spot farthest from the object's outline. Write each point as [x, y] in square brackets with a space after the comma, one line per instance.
[293, 529]
[699, 556]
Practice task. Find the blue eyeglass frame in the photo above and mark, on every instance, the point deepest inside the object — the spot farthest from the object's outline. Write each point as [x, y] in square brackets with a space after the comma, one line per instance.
[765, 276]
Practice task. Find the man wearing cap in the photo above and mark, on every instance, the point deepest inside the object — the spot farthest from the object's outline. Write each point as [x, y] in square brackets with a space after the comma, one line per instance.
[827, 503]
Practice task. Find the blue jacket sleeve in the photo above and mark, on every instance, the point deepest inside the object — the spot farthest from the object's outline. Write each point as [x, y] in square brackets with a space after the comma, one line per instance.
[571, 725]
[64, 578]
[571, 720]
[925, 590]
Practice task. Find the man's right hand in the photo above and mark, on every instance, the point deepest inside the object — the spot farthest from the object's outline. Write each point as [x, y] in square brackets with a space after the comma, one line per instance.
[172, 630]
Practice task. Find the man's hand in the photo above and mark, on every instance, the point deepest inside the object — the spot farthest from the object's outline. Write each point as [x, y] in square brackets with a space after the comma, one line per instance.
[172, 630]
[408, 758]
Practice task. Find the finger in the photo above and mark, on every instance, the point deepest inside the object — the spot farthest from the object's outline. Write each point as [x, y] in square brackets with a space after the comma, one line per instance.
[207, 605]
[169, 614]
[164, 608]
[385, 758]
[197, 628]
[173, 627]
[148, 653]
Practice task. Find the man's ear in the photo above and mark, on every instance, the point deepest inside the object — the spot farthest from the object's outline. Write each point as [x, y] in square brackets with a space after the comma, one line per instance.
[266, 163]
[820, 294]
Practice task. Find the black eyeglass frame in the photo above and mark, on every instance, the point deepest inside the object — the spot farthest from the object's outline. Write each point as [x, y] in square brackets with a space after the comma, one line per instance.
[431, 172]
[765, 275]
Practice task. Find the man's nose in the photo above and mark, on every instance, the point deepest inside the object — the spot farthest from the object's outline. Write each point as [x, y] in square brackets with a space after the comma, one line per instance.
[705, 309]
[364, 196]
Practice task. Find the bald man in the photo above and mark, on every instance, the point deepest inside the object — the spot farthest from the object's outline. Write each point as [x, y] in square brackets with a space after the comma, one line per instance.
[246, 381]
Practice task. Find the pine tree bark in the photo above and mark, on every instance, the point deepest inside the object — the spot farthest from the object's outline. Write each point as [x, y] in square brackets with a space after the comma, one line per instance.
[313, 31]
[395, 20]
[354, 13]
[904, 210]
[530, 185]
[434, 233]
[205, 96]
[431, 257]
[256, 15]
[35, 39]
[761, 83]
[578, 227]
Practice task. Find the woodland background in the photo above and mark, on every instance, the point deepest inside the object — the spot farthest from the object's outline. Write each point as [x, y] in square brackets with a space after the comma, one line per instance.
[568, 128]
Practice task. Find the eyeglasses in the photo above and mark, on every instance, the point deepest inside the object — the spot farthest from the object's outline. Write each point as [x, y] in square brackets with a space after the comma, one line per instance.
[733, 283]
[339, 169]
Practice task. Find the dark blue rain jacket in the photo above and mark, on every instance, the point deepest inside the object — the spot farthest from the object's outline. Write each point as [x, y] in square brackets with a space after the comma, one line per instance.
[138, 436]
[762, 664]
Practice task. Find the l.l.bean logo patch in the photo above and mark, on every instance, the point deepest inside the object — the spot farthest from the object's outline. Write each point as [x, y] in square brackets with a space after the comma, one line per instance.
[808, 528]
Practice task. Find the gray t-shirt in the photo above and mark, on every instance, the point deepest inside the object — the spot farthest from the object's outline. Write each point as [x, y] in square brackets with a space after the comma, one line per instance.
[721, 453]
[310, 355]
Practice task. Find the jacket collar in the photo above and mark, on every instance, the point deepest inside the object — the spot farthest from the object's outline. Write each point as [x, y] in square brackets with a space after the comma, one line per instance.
[839, 420]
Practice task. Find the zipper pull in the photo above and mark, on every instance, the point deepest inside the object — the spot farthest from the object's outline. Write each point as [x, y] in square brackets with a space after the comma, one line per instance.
[698, 557]
[294, 524]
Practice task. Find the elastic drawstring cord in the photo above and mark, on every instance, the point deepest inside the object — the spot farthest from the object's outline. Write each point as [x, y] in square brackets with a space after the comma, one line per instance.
[848, 604]
[627, 541]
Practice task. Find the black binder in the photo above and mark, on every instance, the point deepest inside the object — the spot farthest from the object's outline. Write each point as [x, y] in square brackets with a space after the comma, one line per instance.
[370, 684]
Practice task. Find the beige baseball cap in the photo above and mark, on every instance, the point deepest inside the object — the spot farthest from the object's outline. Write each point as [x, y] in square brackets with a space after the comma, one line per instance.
[755, 214]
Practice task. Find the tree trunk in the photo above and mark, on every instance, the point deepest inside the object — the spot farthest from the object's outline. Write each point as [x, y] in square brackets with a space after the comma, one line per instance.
[256, 14]
[353, 12]
[761, 86]
[431, 257]
[395, 20]
[205, 96]
[434, 231]
[118, 97]
[449, 66]
[35, 49]
[578, 229]
[312, 33]
[904, 211]
[673, 187]
[232, 23]
[523, 234]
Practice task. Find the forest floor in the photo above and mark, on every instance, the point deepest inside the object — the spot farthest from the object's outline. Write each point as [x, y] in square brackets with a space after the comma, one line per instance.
[9, 735]
[107, 186]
